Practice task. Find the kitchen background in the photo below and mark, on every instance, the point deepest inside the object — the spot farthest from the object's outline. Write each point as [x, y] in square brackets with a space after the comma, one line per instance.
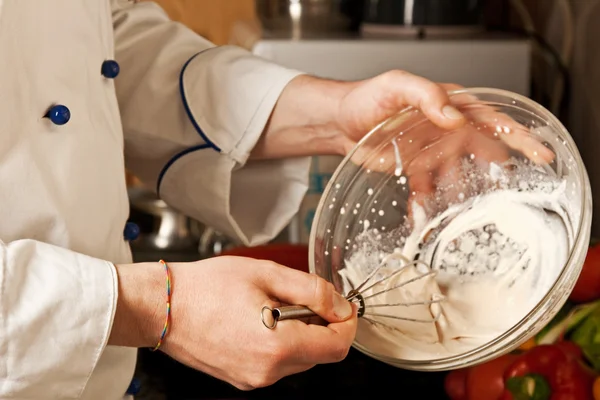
[544, 49]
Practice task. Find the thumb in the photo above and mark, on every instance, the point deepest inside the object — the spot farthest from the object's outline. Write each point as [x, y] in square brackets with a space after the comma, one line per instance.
[295, 287]
[429, 97]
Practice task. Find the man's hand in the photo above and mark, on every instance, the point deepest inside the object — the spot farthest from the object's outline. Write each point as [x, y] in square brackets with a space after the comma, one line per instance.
[323, 117]
[375, 100]
[216, 323]
[319, 117]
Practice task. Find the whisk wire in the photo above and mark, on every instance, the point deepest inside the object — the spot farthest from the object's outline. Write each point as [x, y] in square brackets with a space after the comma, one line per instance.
[435, 299]
[384, 262]
[359, 297]
[415, 303]
[402, 284]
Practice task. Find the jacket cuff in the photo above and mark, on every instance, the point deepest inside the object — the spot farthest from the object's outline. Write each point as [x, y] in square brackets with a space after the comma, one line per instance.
[213, 182]
[238, 79]
[61, 307]
[252, 204]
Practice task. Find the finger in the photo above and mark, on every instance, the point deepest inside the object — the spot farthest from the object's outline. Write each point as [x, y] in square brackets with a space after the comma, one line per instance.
[430, 158]
[370, 153]
[398, 153]
[420, 134]
[421, 189]
[315, 321]
[315, 344]
[450, 181]
[300, 288]
[515, 135]
[528, 145]
[486, 149]
[401, 88]
[449, 87]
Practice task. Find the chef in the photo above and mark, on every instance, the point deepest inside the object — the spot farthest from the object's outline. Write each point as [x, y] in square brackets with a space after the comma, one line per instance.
[92, 87]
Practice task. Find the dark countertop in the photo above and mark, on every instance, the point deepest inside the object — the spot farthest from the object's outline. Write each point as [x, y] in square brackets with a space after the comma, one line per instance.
[357, 377]
[407, 35]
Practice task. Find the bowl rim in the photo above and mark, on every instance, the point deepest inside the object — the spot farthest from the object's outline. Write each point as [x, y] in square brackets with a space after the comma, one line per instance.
[525, 328]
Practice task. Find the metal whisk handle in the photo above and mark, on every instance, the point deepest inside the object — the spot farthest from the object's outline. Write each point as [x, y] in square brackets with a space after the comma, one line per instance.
[283, 313]
[270, 316]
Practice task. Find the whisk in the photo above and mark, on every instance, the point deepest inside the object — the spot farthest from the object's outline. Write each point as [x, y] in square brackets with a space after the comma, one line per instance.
[358, 296]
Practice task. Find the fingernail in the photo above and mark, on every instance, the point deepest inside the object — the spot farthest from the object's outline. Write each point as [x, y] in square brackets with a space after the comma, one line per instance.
[341, 307]
[451, 112]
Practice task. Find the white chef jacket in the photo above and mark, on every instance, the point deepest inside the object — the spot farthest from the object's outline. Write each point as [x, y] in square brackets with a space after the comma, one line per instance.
[182, 115]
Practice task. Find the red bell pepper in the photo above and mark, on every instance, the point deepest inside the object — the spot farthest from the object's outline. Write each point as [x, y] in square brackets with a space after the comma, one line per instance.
[549, 372]
[546, 372]
[481, 382]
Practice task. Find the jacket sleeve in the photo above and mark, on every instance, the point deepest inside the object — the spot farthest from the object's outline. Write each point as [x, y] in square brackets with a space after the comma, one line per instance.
[56, 312]
[191, 114]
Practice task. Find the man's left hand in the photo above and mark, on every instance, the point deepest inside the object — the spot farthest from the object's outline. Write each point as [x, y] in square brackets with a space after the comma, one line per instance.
[317, 116]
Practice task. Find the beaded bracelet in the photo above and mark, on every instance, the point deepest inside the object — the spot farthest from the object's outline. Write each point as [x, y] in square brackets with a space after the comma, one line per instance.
[167, 320]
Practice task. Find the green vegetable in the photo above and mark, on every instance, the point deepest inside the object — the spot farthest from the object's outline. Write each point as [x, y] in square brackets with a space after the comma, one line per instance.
[529, 387]
[567, 319]
[549, 333]
[587, 336]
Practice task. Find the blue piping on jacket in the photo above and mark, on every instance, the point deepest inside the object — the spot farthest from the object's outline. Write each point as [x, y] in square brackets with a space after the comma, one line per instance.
[176, 157]
[186, 106]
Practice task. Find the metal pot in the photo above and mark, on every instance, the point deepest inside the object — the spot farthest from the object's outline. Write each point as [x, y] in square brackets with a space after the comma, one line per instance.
[165, 230]
[302, 18]
[424, 12]
[168, 230]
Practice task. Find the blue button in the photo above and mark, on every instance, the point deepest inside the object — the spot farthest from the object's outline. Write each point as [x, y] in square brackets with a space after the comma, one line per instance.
[59, 114]
[110, 69]
[134, 387]
[131, 231]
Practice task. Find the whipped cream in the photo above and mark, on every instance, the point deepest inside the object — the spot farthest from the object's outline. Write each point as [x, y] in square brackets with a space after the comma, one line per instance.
[496, 254]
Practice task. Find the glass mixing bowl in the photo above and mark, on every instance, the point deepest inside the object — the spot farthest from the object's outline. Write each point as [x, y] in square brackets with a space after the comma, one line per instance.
[407, 168]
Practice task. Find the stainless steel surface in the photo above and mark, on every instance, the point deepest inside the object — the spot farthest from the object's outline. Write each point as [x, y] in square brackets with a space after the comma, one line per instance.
[417, 32]
[499, 61]
[424, 12]
[300, 18]
[174, 236]
[172, 231]
[283, 313]
[212, 243]
[361, 295]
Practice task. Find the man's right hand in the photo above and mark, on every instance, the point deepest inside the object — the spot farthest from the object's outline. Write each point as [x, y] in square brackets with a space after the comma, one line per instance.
[216, 323]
